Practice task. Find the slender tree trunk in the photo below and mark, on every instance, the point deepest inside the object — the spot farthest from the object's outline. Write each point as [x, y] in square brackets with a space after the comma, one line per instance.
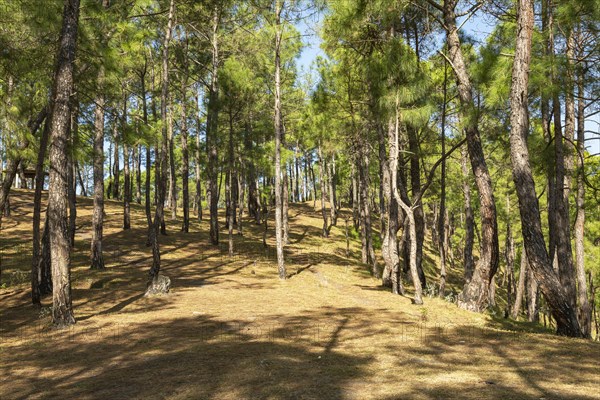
[137, 165]
[126, 172]
[197, 161]
[285, 207]
[419, 215]
[185, 157]
[73, 133]
[533, 295]
[161, 177]
[469, 264]
[520, 286]
[37, 208]
[442, 216]
[171, 160]
[474, 296]
[278, 141]
[229, 186]
[211, 133]
[537, 255]
[62, 309]
[116, 164]
[510, 268]
[96, 257]
[322, 167]
[412, 231]
[332, 195]
[241, 196]
[585, 317]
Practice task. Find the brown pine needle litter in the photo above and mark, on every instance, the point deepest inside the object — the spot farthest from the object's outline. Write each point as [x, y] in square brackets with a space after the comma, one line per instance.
[230, 329]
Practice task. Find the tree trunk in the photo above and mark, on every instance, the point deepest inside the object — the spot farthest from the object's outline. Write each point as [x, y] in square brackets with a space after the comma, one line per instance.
[197, 161]
[520, 287]
[285, 207]
[510, 267]
[474, 296]
[533, 295]
[585, 314]
[37, 207]
[469, 264]
[325, 231]
[419, 215]
[211, 133]
[171, 157]
[278, 141]
[73, 133]
[442, 216]
[185, 157]
[229, 186]
[137, 164]
[96, 257]
[332, 195]
[537, 255]
[161, 177]
[116, 166]
[412, 231]
[126, 172]
[62, 308]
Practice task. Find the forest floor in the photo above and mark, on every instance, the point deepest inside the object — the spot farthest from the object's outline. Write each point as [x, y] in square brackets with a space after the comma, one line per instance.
[231, 330]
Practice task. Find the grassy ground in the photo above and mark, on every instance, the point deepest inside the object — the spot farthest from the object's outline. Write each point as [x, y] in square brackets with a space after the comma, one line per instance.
[231, 330]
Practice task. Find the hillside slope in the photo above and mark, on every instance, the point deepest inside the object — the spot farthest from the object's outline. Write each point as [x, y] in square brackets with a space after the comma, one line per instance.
[231, 330]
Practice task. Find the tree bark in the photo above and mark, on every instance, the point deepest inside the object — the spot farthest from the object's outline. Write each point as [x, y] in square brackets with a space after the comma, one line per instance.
[185, 157]
[278, 141]
[585, 311]
[412, 231]
[325, 231]
[442, 216]
[62, 307]
[126, 172]
[469, 264]
[37, 207]
[161, 177]
[211, 133]
[474, 296]
[96, 257]
[520, 287]
[537, 255]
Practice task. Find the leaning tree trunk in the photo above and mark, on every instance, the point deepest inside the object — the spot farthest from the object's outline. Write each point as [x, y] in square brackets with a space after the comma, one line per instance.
[415, 182]
[412, 230]
[474, 296]
[535, 248]
[60, 248]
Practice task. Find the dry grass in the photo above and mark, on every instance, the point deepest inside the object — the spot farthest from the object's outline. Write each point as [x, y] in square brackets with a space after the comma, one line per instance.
[231, 330]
